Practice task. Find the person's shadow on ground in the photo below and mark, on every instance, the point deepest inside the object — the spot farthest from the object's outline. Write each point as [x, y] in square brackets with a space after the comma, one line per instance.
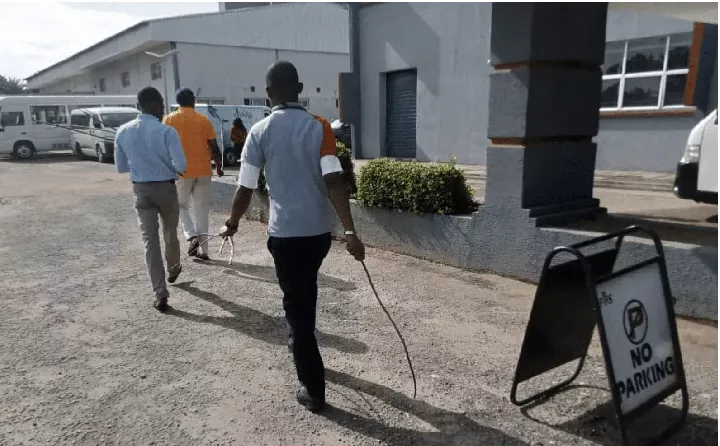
[453, 428]
[266, 274]
[256, 324]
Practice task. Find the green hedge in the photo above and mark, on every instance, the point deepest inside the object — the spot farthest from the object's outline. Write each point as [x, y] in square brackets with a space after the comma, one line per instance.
[346, 162]
[421, 188]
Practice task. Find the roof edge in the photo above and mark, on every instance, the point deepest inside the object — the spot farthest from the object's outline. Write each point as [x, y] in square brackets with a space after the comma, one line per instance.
[91, 47]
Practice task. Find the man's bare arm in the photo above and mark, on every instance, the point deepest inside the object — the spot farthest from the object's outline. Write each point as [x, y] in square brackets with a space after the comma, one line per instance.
[216, 155]
[340, 198]
[240, 205]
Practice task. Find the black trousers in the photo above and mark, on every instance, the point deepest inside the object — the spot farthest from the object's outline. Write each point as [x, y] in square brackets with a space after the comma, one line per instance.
[297, 262]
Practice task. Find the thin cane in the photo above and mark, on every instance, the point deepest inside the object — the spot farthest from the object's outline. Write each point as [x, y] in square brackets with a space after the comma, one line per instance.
[407, 355]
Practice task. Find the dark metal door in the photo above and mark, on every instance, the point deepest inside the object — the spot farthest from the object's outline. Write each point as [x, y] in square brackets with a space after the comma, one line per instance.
[401, 114]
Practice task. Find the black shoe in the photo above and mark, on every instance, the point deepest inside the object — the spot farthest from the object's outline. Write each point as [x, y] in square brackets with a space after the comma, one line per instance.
[161, 304]
[314, 405]
[173, 276]
[203, 257]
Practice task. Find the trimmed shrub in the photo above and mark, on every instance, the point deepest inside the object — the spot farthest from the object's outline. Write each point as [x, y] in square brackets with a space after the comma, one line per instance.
[345, 156]
[420, 188]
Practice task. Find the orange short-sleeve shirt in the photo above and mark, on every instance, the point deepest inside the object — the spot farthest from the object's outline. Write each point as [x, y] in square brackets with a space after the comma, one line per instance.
[195, 131]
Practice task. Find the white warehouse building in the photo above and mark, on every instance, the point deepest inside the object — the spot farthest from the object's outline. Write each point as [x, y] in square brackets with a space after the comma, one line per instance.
[221, 56]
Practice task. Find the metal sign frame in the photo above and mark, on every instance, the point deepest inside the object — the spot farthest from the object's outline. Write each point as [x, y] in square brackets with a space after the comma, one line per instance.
[591, 281]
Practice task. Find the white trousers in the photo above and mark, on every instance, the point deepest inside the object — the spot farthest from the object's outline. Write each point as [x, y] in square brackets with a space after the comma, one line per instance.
[194, 200]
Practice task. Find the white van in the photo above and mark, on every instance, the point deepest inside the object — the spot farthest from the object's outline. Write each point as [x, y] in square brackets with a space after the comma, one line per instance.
[93, 130]
[697, 172]
[222, 117]
[34, 124]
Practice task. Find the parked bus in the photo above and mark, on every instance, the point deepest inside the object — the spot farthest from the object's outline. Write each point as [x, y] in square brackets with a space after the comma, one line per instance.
[35, 124]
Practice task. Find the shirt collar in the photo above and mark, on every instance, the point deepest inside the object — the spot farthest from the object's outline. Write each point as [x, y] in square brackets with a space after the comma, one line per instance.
[147, 117]
[288, 105]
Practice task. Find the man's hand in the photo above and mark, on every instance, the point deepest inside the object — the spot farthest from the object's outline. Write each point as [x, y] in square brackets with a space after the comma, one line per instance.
[355, 247]
[228, 230]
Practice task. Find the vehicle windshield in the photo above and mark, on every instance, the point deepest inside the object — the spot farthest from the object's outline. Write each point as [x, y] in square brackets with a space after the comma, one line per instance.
[117, 119]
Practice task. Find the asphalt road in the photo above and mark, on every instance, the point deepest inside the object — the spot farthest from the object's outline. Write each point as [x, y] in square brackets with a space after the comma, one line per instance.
[86, 360]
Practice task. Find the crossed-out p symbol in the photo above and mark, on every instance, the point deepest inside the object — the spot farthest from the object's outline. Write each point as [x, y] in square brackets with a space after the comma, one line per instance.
[635, 321]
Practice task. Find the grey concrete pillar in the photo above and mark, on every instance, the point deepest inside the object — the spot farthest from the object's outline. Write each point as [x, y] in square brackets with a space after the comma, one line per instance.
[349, 88]
[544, 107]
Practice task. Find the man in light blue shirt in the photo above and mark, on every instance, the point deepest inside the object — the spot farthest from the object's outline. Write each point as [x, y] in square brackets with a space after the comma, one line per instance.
[151, 152]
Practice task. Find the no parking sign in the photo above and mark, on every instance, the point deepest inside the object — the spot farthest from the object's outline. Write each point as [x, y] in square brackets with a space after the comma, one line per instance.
[633, 310]
[638, 335]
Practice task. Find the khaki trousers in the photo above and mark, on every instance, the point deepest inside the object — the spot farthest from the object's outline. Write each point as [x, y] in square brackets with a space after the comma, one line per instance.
[153, 200]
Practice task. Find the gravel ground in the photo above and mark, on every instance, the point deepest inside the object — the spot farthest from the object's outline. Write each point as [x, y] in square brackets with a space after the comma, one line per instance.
[85, 359]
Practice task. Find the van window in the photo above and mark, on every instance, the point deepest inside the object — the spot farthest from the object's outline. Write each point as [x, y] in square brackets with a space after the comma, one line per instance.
[80, 120]
[117, 119]
[48, 114]
[10, 119]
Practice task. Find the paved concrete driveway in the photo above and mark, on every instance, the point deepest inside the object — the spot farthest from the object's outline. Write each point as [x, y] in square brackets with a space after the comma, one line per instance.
[85, 359]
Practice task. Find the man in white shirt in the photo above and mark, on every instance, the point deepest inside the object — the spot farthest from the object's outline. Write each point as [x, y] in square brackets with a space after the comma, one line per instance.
[298, 153]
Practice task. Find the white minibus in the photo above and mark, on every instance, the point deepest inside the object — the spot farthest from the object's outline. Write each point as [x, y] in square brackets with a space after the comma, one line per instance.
[34, 124]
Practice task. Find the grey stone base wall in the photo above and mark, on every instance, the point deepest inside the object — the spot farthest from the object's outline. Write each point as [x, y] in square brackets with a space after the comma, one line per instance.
[502, 240]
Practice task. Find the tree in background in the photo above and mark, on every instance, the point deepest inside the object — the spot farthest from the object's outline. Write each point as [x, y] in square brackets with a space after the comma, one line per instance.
[11, 85]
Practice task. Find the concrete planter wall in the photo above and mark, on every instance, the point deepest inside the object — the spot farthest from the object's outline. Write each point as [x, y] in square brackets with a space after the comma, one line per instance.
[504, 241]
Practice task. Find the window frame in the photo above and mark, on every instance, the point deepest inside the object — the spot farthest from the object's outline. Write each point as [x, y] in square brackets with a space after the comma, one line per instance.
[62, 113]
[122, 79]
[156, 73]
[252, 102]
[22, 119]
[662, 74]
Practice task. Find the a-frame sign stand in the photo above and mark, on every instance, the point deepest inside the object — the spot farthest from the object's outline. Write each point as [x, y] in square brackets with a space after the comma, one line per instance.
[633, 309]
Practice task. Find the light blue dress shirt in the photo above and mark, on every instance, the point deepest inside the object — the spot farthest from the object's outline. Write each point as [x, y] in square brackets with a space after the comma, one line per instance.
[149, 150]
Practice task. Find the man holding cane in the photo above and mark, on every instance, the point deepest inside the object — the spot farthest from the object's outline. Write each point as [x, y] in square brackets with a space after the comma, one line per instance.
[297, 151]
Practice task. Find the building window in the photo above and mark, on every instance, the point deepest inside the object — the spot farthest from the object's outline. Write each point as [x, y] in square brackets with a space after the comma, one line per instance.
[257, 101]
[317, 89]
[125, 79]
[48, 114]
[155, 71]
[10, 119]
[101, 85]
[646, 74]
[252, 89]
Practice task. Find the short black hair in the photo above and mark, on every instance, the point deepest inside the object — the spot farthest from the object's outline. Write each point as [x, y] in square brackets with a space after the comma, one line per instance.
[149, 95]
[237, 122]
[281, 75]
[185, 97]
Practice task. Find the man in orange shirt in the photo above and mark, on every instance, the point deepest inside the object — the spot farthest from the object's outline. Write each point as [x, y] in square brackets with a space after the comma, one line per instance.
[197, 137]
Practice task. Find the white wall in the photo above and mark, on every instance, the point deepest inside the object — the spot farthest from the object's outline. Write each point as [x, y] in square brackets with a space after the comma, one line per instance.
[219, 72]
[319, 70]
[229, 72]
[449, 45]
[137, 65]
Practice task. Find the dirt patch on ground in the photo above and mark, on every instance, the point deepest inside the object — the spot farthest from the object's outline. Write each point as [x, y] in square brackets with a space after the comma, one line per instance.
[85, 359]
